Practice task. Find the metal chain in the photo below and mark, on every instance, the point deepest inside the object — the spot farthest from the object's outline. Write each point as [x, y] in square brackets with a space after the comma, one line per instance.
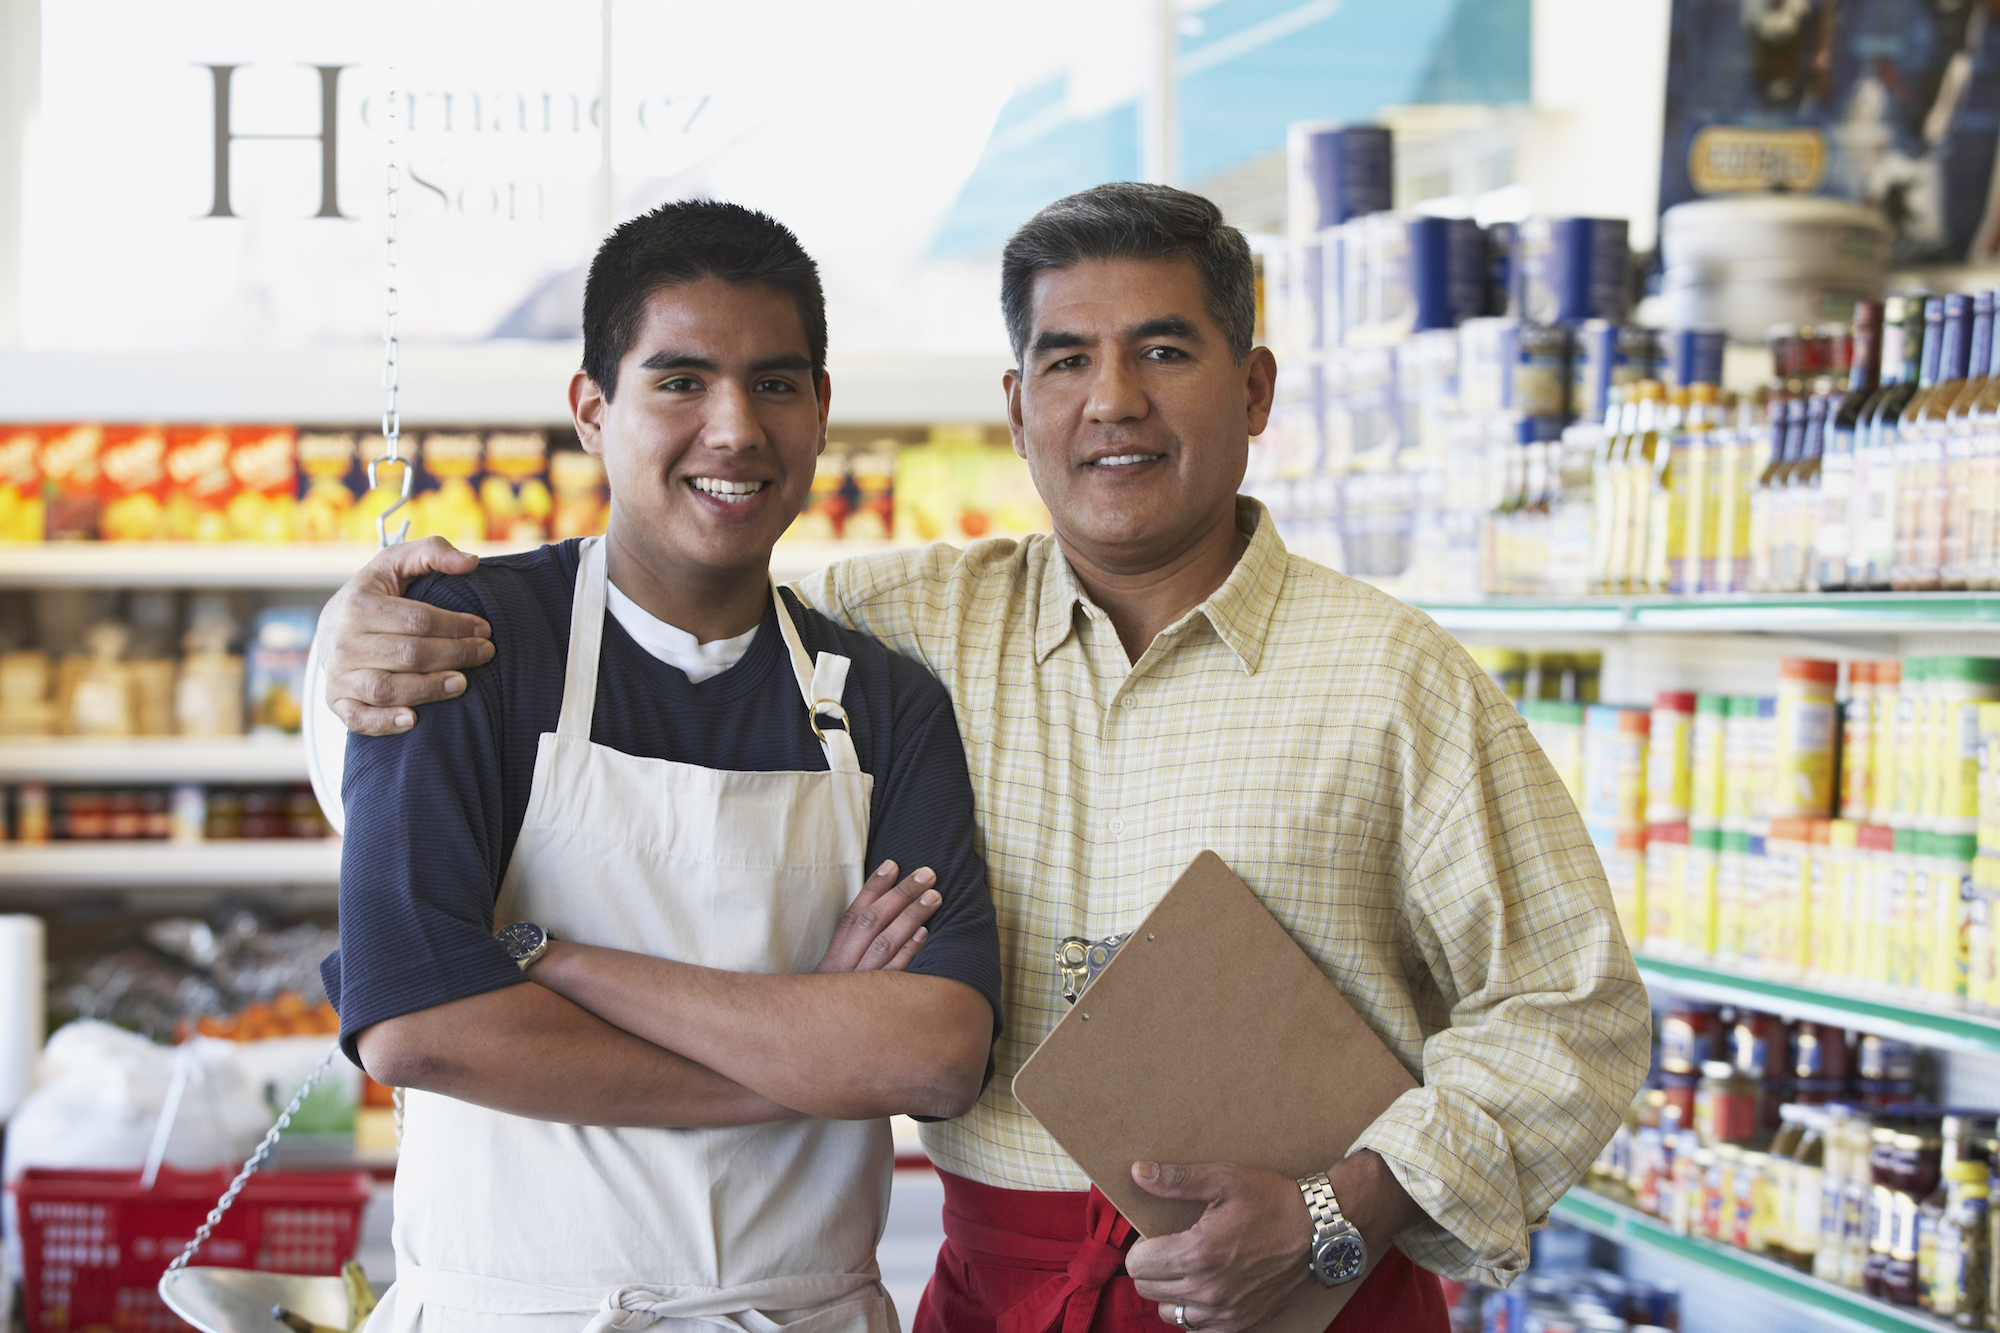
[256, 1160]
[392, 422]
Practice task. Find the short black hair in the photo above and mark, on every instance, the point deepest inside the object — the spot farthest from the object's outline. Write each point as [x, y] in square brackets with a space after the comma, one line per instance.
[686, 242]
[1126, 220]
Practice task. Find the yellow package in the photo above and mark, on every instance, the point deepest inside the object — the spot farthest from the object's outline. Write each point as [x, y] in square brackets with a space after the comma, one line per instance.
[581, 505]
[327, 469]
[446, 504]
[515, 491]
[22, 511]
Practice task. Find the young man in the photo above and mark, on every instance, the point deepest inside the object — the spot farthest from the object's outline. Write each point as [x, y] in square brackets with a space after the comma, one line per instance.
[1160, 676]
[660, 1091]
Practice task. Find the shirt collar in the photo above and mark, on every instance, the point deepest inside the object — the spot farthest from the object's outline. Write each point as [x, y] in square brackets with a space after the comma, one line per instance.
[1239, 611]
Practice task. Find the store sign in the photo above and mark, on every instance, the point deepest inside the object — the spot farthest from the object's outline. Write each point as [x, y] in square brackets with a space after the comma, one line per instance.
[216, 175]
[211, 173]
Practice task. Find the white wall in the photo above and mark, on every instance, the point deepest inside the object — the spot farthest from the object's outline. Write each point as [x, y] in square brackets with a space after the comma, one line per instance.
[20, 66]
[1600, 84]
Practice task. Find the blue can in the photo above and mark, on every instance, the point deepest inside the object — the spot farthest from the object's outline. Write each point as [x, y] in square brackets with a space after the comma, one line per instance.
[1540, 379]
[1694, 356]
[1338, 172]
[1574, 269]
[1447, 271]
[1606, 355]
[1502, 289]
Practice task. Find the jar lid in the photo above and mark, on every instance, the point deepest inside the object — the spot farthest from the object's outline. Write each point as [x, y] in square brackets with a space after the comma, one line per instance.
[1553, 710]
[1966, 1171]
[1674, 701]
[1499, 659]
[1812, 669]
[1717, 1069]
[1955, 846]
[1888, 672]
[1711, 703]
[1861, 671]
[1906, 840]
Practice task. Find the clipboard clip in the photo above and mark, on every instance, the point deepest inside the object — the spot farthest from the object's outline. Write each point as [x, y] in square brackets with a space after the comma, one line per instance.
[1080, 960]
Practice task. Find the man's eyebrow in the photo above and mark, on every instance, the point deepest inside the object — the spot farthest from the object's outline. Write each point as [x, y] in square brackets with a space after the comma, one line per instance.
[1166, 326]
[1054, 340]
[672, 360]
[785, 361]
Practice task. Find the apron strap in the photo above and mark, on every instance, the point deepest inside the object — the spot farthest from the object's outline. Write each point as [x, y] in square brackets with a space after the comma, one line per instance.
[586, 634]
[821, 685]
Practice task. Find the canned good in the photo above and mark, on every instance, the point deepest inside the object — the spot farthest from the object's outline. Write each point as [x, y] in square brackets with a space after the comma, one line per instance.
[1669, 765]
[1959, 685]
[1804, 738]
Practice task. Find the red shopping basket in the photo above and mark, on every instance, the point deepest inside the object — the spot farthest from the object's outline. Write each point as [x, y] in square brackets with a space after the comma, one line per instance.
[94, 1243]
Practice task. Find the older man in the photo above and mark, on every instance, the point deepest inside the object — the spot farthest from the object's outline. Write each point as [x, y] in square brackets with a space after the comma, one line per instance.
[1161, 676]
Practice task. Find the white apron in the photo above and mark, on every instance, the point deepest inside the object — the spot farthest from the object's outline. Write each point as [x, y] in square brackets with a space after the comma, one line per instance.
[521, 1225]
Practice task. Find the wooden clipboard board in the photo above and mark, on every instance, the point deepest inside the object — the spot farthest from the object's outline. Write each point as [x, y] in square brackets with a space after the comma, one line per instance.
[1211, 1037]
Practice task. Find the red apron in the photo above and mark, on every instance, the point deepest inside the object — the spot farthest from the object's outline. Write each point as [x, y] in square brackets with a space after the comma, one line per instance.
[1053, 1261]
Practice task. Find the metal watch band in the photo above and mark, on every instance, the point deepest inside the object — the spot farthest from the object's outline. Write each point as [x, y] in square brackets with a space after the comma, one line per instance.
[1321, 1206]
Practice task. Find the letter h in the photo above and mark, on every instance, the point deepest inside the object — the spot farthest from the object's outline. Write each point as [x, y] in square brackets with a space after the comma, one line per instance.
[329, 106]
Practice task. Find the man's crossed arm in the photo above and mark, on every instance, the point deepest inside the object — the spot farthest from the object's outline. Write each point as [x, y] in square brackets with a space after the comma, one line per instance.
[606, 1037]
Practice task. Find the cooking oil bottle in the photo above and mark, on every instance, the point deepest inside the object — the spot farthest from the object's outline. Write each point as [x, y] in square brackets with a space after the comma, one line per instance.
[1685, 536]
[1912, 476]
[1928, 444]
[1956, 433]
[1834, 542]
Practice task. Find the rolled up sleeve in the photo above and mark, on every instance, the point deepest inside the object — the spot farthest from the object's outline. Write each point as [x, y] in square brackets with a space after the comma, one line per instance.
[1549, 1032]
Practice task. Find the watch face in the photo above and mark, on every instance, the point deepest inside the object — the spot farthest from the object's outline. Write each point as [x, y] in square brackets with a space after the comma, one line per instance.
[520, 939]
[1339, 1259]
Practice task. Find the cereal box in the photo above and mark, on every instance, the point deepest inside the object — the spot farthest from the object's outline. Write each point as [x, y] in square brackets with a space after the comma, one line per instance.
[263, 463]
[515, 492]
[72, 481]
[133, 460]
[199, 483]
[582, 504]
[447, 506]
[22, 509]
[329, 479]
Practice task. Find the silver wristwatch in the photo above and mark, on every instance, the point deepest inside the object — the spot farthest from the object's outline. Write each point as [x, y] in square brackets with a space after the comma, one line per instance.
[524, 942]
[1338, 1253]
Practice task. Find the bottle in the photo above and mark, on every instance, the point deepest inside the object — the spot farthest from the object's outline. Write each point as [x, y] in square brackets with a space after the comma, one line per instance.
[1658, 482]
[1719, 496]
[1927, 427]
[1983, 424]
[1913, 481]
[1798, 568]
[1834, 542]
[1633, 499]
[1948, 1286]
[1780, 1183]
[1688, 539]
[1784, 430]
[1808, 1184]
[1902, 350]
[1621, 410]
[1956, 431]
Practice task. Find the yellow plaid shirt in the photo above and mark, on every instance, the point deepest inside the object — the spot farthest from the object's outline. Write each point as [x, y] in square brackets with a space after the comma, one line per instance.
[1363, 777]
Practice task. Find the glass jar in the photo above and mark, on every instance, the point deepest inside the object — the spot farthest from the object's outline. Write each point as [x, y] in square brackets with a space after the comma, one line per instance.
[1725, 1104]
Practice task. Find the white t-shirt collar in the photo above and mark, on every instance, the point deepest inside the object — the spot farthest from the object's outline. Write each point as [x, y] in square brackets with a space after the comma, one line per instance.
[674, 645]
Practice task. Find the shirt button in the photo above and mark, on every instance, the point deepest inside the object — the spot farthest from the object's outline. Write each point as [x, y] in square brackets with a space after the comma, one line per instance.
[1130, 702]
[1117, 825]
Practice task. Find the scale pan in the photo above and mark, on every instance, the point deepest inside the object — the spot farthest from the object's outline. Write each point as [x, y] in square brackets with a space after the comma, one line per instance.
[239, 1300]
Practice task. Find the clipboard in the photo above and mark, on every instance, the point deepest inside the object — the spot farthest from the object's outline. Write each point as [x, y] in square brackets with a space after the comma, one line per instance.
[1210, 1036]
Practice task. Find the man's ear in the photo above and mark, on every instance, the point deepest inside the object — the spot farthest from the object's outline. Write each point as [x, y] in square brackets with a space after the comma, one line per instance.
[1260, 385]
[1010, 384]
[586, 410]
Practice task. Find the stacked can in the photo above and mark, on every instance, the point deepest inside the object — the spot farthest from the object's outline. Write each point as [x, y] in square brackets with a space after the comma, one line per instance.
[1615, 744]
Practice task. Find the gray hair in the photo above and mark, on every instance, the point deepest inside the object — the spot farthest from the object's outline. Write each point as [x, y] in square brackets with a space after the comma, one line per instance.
[1126, 220]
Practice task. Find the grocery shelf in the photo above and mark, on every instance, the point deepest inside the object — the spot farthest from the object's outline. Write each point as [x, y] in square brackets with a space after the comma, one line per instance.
[161, 865]
[302, 565]
[1835, 1304]
[155, 759]
[1840, 613]
[1923, 1027]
